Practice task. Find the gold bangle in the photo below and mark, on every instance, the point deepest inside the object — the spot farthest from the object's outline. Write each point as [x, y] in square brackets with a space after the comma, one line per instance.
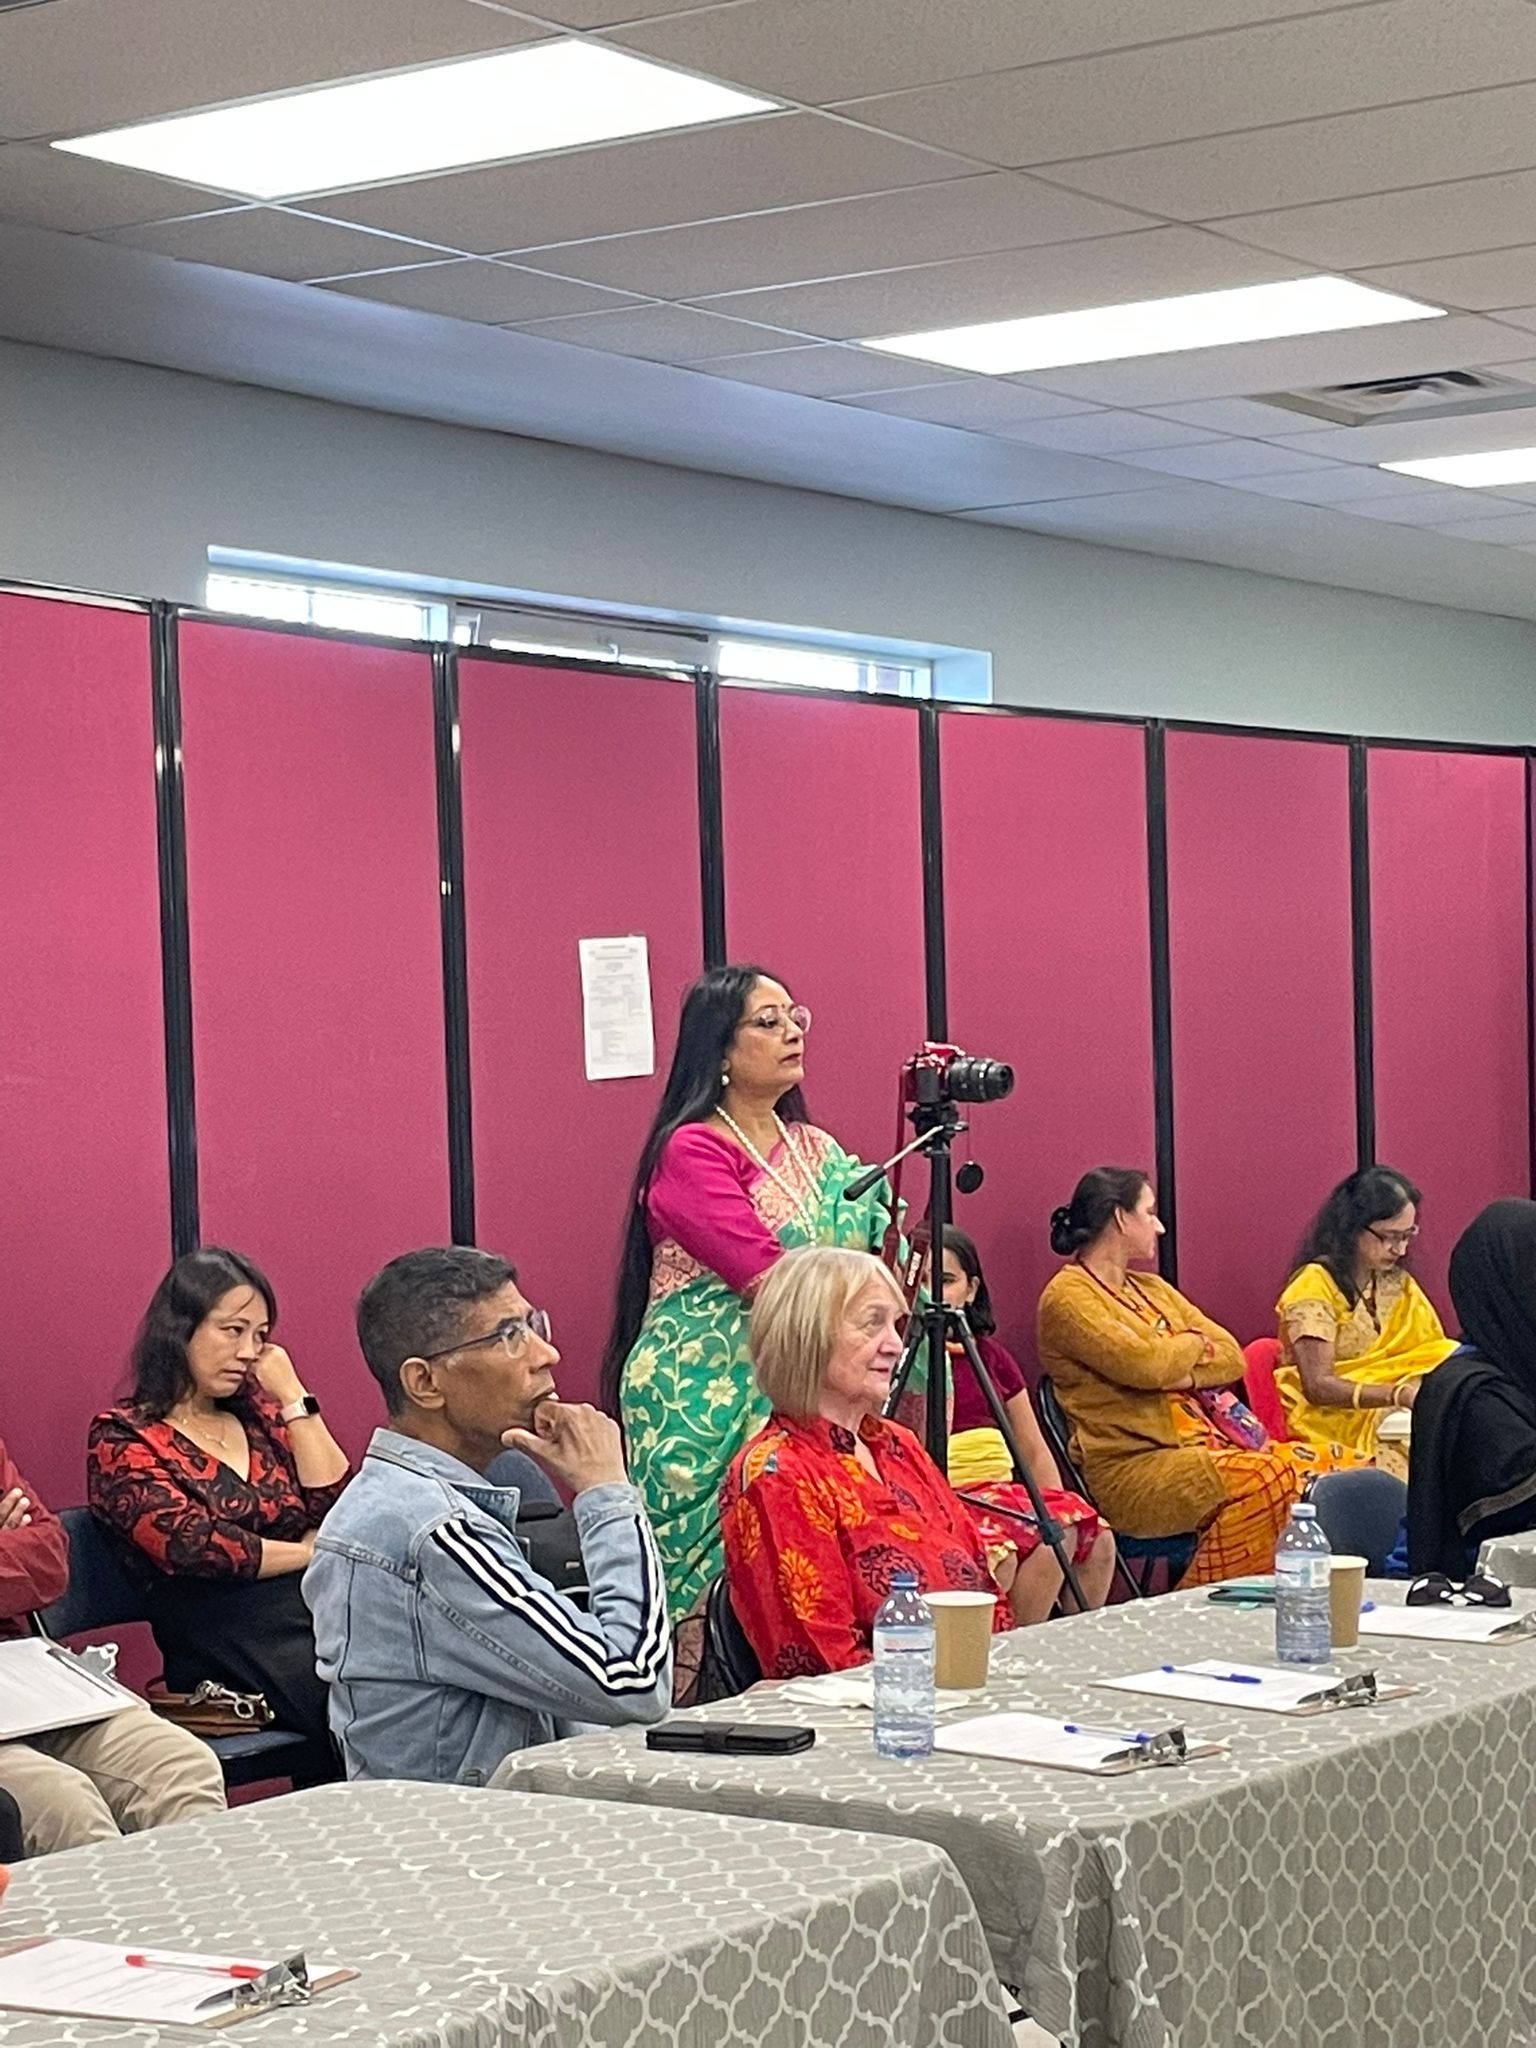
[1354, 1395]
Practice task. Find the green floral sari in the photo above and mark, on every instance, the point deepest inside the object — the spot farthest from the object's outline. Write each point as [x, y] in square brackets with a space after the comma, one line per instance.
[688, 1399]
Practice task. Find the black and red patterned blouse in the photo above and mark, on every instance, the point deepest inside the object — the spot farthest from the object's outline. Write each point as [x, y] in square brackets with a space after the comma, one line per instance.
[184, 1513]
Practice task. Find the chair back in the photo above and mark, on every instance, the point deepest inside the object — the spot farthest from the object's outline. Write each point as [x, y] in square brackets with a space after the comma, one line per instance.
[1259, 1361]
[1361, 1513]
[1138, 1559]
[516, 1468]
[728, 1663]
[100, 1593]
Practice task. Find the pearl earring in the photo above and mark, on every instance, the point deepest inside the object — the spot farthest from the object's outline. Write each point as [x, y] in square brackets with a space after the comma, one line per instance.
[725, 1077]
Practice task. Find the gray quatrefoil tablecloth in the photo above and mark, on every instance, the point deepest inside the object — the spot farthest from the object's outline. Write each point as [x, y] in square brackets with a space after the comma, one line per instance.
[1366, 1879]
[483, 1922]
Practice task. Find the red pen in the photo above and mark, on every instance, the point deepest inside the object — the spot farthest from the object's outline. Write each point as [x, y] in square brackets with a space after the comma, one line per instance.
[245, 1971]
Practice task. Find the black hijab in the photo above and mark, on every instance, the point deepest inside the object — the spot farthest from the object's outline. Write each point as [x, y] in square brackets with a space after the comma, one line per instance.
[1473, 1470]
[1493, 1285]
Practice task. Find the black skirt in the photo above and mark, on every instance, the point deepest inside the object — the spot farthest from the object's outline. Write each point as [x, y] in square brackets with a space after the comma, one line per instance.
[254, 1635]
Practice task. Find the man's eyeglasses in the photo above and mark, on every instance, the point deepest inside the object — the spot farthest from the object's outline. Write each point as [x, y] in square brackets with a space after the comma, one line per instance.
[511, 1335]
[1394, 1240]
[796, 1018]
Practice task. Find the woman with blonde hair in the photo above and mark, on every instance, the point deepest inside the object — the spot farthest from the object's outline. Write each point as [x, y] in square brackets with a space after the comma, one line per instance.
[829, 1499]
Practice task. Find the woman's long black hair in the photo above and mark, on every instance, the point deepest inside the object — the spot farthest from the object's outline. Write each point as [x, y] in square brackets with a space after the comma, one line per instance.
[711, 1016]
[1367, 1197]
[189, 1292]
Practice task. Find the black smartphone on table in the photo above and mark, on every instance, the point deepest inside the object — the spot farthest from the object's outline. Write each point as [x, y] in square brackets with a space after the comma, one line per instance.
[729, 1738]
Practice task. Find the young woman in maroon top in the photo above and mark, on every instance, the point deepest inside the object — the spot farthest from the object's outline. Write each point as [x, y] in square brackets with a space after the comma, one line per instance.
[215, 1473]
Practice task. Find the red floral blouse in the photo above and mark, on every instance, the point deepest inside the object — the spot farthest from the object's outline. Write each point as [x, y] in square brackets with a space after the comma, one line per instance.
[812, 1539]
[183, 1512]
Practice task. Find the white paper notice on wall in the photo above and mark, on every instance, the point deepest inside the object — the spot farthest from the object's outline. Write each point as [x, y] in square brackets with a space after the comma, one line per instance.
[616, 1008]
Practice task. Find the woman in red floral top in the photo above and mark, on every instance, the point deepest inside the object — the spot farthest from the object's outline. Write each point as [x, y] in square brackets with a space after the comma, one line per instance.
[215, 1474]
[828, 1500]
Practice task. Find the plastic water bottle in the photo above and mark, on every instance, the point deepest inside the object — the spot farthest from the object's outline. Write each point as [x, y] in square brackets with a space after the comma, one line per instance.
[903, 1646]
[1303, 1619]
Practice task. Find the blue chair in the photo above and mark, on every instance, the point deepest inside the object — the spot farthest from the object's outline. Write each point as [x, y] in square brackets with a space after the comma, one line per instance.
[1138, 1559]
[516, 1468]
[728, 1664]
[1361, 1513]
[101, 1595]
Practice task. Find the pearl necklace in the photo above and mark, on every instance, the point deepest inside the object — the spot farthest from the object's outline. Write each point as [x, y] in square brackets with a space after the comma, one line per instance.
[799, 1203]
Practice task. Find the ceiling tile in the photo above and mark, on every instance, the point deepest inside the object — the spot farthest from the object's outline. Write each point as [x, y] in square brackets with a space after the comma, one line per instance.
[468, 290]
[1523, 317]
[1109, 433]
[656, 181]
[1245, 78]
[47, 189]
[661, 334]
[273, 242]
[826, 370]
[1514, 531]
[1429, 507]
[1406, 439]
[1428, 142]
[1482, 283]
[1102, 272]
[961, 217]
[599, 13]
[980, 404]
[1462, 342]
[821, 50]
[1340, 482]
[1245, 416]
[85, 64]
[1399, 227]
[1219, 461]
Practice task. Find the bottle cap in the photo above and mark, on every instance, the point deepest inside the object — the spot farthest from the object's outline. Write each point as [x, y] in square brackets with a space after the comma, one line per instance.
[905, 1579]
[1304, 1511]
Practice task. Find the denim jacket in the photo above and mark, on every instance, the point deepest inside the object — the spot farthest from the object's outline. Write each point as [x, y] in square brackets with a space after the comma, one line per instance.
[444, 1649]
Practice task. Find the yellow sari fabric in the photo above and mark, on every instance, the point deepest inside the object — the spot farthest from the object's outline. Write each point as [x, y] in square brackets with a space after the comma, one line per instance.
[1409, 1343]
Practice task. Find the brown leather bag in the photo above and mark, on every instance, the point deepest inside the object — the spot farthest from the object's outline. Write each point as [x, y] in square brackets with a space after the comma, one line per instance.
[213, 1709]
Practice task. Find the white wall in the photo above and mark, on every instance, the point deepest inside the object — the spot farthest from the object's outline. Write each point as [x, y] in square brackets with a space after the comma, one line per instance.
[117, 477]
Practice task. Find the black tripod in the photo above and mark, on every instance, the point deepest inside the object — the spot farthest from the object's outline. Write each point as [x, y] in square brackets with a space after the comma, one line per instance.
[934, 1325]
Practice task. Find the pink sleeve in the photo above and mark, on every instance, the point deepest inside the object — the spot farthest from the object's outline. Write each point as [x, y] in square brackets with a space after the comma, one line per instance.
[699, 1197]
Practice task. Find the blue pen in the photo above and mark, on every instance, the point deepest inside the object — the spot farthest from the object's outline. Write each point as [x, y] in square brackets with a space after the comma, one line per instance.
[1106, 1734]
[1225, 1677]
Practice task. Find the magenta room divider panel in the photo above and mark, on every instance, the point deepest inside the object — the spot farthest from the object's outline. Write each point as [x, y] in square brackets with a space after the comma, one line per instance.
[1045, 889]
[1263, 1012]
[84, 1205]
[312, 876]
[824, 887]
[1448, 951]
[580, 821]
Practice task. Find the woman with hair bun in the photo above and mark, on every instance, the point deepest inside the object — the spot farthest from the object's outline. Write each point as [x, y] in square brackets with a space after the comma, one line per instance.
[1357, 1331]
[1147, 1381]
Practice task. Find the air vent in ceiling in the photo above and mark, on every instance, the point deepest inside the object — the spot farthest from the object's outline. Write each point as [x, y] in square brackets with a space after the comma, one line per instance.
[1436, 394]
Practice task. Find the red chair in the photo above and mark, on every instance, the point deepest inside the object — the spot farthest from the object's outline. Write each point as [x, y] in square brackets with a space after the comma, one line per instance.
[1261, 1358]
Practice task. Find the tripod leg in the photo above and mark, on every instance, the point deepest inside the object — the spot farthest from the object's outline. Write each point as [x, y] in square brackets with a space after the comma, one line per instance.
[1050, 1528]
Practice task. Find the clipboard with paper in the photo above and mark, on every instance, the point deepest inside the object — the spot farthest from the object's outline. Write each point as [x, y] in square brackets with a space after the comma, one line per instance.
[1263, 1688]
[44, 1686]
[168, 1987]
[1068, 1745]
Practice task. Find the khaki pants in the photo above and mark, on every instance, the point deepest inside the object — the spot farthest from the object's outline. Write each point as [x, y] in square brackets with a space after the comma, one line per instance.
[114, 1777]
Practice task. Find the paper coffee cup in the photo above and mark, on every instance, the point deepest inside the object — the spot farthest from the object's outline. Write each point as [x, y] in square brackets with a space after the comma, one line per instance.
[1346, 1591]
[962, 1638]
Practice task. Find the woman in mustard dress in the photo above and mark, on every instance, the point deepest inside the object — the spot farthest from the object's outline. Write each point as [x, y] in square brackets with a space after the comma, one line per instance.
[1357, 1332]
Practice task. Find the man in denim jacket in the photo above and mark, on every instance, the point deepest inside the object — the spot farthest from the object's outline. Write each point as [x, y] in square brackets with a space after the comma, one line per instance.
[443, 1648]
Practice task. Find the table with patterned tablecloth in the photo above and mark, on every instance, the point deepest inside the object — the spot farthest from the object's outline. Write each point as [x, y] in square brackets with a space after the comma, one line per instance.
[1360, 1879]
[478, 1922]
[1510, 1558]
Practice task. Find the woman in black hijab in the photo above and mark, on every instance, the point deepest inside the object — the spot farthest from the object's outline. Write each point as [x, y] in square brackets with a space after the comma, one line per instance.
[1473, 1471]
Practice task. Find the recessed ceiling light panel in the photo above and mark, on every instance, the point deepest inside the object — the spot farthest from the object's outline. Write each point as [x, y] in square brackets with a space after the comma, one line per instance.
[1155, 327]
[524, 102]
[1473, 472]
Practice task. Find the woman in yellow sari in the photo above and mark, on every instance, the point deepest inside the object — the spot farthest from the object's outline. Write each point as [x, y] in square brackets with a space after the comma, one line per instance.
[1357, 1332]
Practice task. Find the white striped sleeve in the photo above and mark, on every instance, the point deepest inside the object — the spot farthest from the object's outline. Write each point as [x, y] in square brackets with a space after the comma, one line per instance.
[571, 1636]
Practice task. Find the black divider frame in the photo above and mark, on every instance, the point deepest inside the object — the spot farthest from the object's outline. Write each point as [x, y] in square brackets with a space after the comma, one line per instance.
[175, 944]
[450, 856]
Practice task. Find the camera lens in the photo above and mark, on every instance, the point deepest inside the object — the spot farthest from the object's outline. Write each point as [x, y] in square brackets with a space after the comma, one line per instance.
[978, 1080]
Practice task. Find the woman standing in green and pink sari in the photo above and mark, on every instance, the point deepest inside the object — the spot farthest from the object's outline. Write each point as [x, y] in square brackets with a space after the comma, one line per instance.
[732, 1175]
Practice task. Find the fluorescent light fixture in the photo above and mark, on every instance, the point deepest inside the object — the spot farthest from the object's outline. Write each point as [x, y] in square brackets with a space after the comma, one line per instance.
[1157, 327]
[1473, 472]
[557, 95]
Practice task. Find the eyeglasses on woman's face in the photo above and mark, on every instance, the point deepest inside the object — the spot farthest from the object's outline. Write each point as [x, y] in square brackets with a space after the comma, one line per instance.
[774, 1017]
[1394, 1240]
[512, 1336]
